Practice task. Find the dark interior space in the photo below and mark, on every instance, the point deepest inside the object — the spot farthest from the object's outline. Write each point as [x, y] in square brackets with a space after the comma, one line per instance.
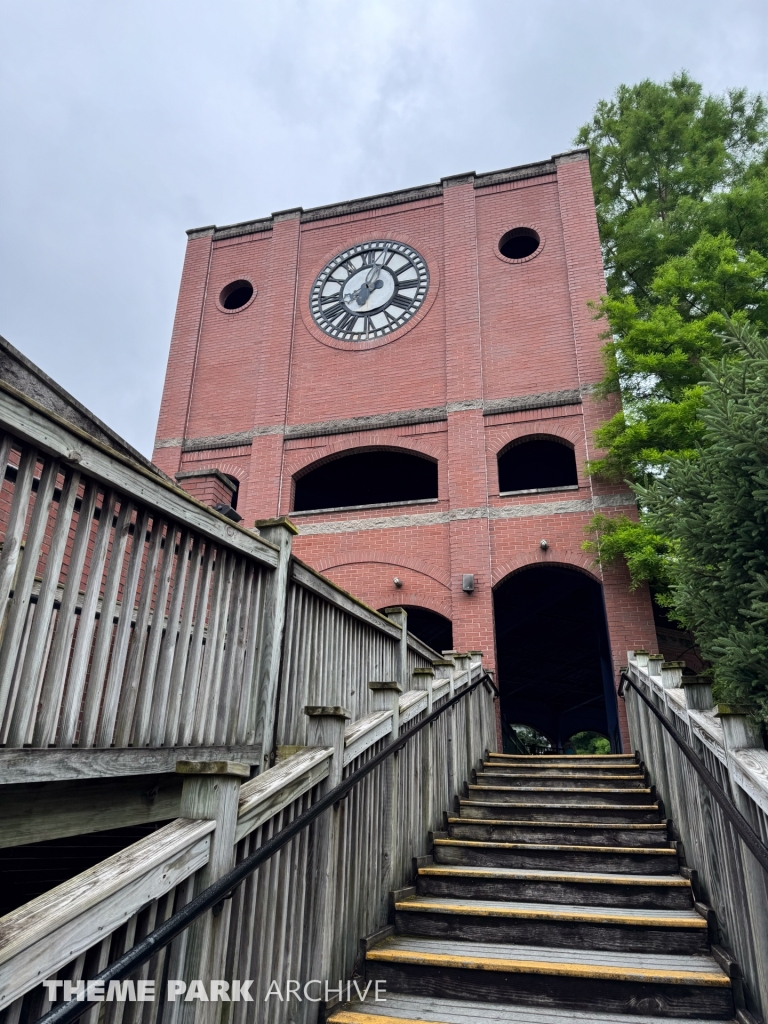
[29, 871]
[536, 463]
[366, 478]
[236, 294]
[431, 628]
[519, 243]
[554, 661]
[235, 492]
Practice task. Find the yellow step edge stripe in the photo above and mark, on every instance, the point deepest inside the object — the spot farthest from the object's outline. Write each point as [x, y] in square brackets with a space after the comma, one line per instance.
[512, 822]
[562, 766]
[592, 972]
[475, 843]
[562, 807]
[553, 914]
[538, 775]
[562, 789]
[673, 882]
[348, 1017]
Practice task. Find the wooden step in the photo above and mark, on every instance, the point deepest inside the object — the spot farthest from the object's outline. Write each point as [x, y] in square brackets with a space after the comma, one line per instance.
[541, 924]
[582, 888]
[404, 1009]
[556, 780]
[544, 759]
[549, 808]
[612, 982]
[635, 860]
[572, 795]
[565, 832]
[562, 768]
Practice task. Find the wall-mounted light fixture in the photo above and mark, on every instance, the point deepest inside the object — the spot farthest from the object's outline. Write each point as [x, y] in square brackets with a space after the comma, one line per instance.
[398, 582]
[468, 582]
[543, 545]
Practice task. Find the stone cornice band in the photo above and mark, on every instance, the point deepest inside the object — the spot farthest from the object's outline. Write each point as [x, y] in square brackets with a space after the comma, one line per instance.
[381, 421]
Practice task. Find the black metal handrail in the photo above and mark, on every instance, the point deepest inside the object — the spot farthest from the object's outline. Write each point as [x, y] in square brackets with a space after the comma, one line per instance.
[223, 887]
[746, 833]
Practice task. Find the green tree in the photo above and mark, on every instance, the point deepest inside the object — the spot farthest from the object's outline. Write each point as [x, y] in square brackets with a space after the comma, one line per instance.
[681, 189]
[712, 511]
[668, 162]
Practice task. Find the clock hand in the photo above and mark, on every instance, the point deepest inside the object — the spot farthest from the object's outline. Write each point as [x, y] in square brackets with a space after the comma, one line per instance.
[371, 283]
[372, 279]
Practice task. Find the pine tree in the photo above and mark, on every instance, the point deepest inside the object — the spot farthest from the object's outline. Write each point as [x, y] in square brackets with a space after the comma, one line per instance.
[711, 509]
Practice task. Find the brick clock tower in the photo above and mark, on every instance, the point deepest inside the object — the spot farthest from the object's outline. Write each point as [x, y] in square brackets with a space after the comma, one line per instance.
[408, 377]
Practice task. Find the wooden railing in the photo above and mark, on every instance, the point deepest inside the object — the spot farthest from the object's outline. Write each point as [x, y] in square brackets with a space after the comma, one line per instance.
[132, 617]
[139, 630]
[139, 627]
[299, 916]
[726, 875]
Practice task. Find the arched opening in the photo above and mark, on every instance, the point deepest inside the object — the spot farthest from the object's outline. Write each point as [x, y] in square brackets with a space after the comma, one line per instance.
[537, 463]
[370, 477]
[554, 662]
[430, 627]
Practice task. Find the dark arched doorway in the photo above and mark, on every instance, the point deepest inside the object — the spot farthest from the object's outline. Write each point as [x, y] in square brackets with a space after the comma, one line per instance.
[554, 663]
[430, 627]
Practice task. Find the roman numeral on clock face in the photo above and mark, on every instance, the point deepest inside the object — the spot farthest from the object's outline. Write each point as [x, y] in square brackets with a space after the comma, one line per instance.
[335, 310]
[401, 301]
[347, 322]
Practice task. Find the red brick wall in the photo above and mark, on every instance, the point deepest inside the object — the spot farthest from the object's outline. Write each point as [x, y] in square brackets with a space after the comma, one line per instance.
[208, 489]
[491, 329]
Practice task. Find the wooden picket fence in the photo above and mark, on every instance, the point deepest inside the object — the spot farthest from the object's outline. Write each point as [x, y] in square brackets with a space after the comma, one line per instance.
[726, 875]
[139, 630]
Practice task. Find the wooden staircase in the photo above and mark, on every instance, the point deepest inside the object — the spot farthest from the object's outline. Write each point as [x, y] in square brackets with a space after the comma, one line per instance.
[556, 895]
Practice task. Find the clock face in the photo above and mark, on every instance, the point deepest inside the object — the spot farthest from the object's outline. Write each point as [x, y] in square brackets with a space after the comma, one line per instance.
[369, 291]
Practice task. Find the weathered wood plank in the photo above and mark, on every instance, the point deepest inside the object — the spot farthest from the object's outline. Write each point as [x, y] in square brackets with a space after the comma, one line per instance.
[43, 935]
[18, 610]
[73, 696]
[52, 764]
[362, 734]
[266, 795]
[56, 671]
[412, 704]
[103, 645]
[322, 587]
[54, 810]
[112, 469]
[38, 646]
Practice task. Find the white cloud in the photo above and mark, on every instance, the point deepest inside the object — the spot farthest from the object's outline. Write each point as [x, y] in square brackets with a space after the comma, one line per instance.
[122, 125]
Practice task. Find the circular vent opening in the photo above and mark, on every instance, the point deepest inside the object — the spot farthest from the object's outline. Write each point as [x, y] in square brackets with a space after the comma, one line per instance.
[236, 294]
[519, 243]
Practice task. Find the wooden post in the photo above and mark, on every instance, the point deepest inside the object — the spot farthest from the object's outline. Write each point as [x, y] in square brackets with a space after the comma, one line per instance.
[672, 674]
[400, 616]
[325, 729]
[698, 693]
[385, 696]
[641, 657]
[479, 711]
[279, 532]
[444, 669]
[655, 665]
[741, 733]
[463, 754]
[210, 792]
[423, 679]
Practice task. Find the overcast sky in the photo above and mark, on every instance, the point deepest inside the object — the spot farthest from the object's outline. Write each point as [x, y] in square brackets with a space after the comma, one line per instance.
[121, 125]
